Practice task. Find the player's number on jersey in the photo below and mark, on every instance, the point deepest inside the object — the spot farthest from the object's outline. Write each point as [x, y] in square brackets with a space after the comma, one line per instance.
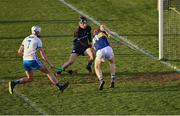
[29, 41]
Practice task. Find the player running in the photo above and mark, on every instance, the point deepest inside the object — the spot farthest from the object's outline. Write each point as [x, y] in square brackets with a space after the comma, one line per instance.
[82, 45]
[28, 50]
[103, 52]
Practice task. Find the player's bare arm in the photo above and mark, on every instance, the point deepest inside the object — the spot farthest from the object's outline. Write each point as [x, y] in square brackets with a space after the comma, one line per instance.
[21, 50]
[44, 57]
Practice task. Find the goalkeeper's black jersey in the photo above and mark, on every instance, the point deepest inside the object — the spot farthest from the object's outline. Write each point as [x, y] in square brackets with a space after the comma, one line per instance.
[82, 37]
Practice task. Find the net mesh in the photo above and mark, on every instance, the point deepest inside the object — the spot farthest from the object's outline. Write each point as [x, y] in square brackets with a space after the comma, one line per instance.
[172, 31]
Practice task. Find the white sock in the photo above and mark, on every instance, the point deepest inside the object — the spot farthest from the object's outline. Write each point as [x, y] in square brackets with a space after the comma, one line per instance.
[100, 79]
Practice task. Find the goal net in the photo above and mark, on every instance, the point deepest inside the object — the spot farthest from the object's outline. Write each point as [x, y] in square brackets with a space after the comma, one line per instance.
[171, 31]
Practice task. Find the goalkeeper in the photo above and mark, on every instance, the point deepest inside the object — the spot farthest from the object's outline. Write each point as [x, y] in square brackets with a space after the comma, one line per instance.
[81, 46]
[103, 52]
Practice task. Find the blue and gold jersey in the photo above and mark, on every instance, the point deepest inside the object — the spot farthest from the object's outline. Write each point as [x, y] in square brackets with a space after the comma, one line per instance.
[100, 40]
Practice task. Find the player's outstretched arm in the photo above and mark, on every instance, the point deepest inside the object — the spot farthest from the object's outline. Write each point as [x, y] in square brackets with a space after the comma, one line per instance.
[44, 57]
[111, 34]
[105, 28]
[21, 50]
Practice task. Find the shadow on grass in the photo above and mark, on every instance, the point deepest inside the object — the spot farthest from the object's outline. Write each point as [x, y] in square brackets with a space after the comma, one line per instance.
[123, 74]
[44, 37]
[118, 74]
[51, 21]
[138, 87]
[69, 35]
[172, 60]
[38, 21]
[145, 89]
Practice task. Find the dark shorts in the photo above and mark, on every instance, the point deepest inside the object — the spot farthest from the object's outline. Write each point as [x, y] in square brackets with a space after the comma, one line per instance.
[79, 50]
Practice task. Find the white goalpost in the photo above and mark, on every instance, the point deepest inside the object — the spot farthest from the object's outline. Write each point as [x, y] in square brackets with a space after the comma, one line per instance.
[160, 9]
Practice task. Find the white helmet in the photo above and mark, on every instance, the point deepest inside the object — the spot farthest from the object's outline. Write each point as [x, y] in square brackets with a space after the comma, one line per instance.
[35, 29]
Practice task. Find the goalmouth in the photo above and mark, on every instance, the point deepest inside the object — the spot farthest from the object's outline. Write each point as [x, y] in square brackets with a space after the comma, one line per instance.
[169, 30]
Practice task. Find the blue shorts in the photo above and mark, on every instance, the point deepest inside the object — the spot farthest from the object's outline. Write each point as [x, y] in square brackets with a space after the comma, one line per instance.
[31, 65]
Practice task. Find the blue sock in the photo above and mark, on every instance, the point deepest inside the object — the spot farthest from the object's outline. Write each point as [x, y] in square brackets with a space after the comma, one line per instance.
[113, 77]
[59, 85]
[18, 81]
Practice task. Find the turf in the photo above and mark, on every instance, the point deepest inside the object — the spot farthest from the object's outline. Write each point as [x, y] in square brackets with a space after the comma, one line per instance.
[135, 19]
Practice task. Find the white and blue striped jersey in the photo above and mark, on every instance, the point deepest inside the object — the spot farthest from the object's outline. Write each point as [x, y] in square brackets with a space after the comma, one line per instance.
[31, 44]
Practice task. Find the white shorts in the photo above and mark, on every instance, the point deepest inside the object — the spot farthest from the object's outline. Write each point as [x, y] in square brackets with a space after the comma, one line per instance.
[105, 54]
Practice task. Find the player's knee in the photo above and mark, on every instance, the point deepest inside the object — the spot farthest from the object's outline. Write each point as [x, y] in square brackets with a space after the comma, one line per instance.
[91, 58]
[71, 62]
[113, 66]
[97, 66]
[111, 61]
[47, 71]
[44, 70]
[30, 79]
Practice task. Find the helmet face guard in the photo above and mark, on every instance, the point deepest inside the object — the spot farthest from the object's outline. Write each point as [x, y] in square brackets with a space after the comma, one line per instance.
[83, 19]
[36, 29]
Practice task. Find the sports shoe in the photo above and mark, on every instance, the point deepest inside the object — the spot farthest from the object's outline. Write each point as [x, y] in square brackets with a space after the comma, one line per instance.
[65, 85]
[89, 68]
[11, 86]
[112, 85]
[70, 72]
[101, 85]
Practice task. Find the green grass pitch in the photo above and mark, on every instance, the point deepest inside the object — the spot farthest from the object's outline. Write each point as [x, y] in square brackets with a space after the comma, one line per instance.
[144, 86]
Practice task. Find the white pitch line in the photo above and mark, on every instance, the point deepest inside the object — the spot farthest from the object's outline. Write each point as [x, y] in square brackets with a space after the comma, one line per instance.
[30, 103]
[27, 100]
[128, 43]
